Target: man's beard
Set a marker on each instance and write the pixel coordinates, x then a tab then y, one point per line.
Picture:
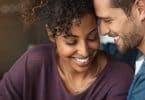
130	41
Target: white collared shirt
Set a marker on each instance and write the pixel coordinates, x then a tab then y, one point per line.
139	63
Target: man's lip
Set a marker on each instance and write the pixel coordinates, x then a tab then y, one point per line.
116	39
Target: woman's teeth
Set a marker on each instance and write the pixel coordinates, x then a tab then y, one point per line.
82	60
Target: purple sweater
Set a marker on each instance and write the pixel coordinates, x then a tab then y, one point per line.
35	77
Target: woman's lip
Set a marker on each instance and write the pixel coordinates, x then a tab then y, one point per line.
82	61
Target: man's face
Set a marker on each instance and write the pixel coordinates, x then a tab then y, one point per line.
116	23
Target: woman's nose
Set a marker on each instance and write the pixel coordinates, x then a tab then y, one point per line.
83	49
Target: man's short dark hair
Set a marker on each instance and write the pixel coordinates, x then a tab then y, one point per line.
126	5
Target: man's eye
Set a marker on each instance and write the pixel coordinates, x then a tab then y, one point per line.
107	20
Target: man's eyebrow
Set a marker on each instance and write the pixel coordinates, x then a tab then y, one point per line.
99	17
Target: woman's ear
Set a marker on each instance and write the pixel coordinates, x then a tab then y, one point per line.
141	9
49	33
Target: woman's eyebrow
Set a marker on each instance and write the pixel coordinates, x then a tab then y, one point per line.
92	30
70	36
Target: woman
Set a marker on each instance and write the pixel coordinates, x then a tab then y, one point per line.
72	67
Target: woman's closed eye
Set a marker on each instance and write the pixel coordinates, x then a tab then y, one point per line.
71	41
93	36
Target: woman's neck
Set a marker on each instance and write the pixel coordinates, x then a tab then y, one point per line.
75	83
68	72
80	81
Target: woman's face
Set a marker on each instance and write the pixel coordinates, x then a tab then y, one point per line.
79	49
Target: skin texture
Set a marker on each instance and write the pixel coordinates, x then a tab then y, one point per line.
127	30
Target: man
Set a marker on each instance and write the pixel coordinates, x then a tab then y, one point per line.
108	45
124	20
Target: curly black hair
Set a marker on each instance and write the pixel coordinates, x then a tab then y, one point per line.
58	14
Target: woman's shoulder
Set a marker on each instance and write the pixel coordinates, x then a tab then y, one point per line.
119	69
40	53
117	64
114	64
36	58
42	49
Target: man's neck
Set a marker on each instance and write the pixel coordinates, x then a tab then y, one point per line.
141	47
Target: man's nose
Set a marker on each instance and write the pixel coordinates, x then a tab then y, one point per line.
103	28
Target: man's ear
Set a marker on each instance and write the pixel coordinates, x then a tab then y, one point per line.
140	4
50	34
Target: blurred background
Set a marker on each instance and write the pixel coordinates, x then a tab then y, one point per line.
15	37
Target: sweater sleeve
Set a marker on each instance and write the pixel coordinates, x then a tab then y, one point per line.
22	80
11	86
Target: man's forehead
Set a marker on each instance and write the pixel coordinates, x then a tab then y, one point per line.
110	13
103	8
102	3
